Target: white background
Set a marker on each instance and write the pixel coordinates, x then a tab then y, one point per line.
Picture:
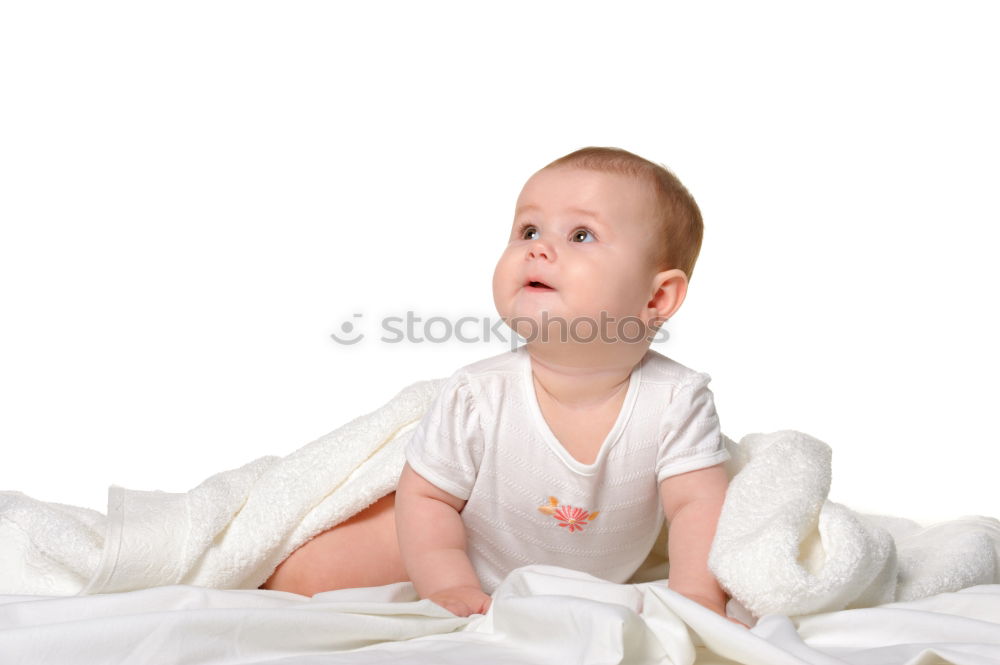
196	195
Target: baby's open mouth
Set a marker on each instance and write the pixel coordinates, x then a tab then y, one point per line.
539	285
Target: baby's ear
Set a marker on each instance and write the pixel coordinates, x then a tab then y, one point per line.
669	290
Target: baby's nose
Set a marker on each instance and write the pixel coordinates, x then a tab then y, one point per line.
540	251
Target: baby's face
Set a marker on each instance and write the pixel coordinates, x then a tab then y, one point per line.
588	237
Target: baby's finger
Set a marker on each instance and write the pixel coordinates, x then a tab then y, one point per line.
461	609
456	607
738	621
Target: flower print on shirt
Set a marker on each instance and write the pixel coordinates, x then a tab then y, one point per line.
569	517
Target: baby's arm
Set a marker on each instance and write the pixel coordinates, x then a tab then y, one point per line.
432	544
692	502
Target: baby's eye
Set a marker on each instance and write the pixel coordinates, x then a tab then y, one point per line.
526	229
581	234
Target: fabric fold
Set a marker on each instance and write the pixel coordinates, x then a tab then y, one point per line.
781	546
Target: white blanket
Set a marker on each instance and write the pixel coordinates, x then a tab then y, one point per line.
781	546
541	615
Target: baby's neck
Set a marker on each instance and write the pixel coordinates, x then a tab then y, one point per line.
579	385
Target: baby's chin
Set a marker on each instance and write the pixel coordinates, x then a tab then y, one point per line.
583	319
586	333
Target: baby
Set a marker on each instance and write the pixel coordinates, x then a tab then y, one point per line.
571	449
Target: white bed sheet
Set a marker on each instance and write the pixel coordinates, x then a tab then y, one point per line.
540	614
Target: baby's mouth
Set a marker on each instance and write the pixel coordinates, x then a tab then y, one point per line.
538	286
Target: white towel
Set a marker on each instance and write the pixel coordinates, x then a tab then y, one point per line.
229	532
781	546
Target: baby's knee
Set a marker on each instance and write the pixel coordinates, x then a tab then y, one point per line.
288	576
359	552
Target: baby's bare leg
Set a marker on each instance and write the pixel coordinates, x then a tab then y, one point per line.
359	552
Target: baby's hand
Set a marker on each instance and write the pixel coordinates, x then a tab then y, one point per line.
462	600
715	607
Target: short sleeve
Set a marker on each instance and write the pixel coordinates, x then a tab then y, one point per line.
691	438
447	445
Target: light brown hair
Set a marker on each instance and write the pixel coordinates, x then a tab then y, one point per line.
677	214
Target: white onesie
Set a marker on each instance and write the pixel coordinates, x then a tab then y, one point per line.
484	439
